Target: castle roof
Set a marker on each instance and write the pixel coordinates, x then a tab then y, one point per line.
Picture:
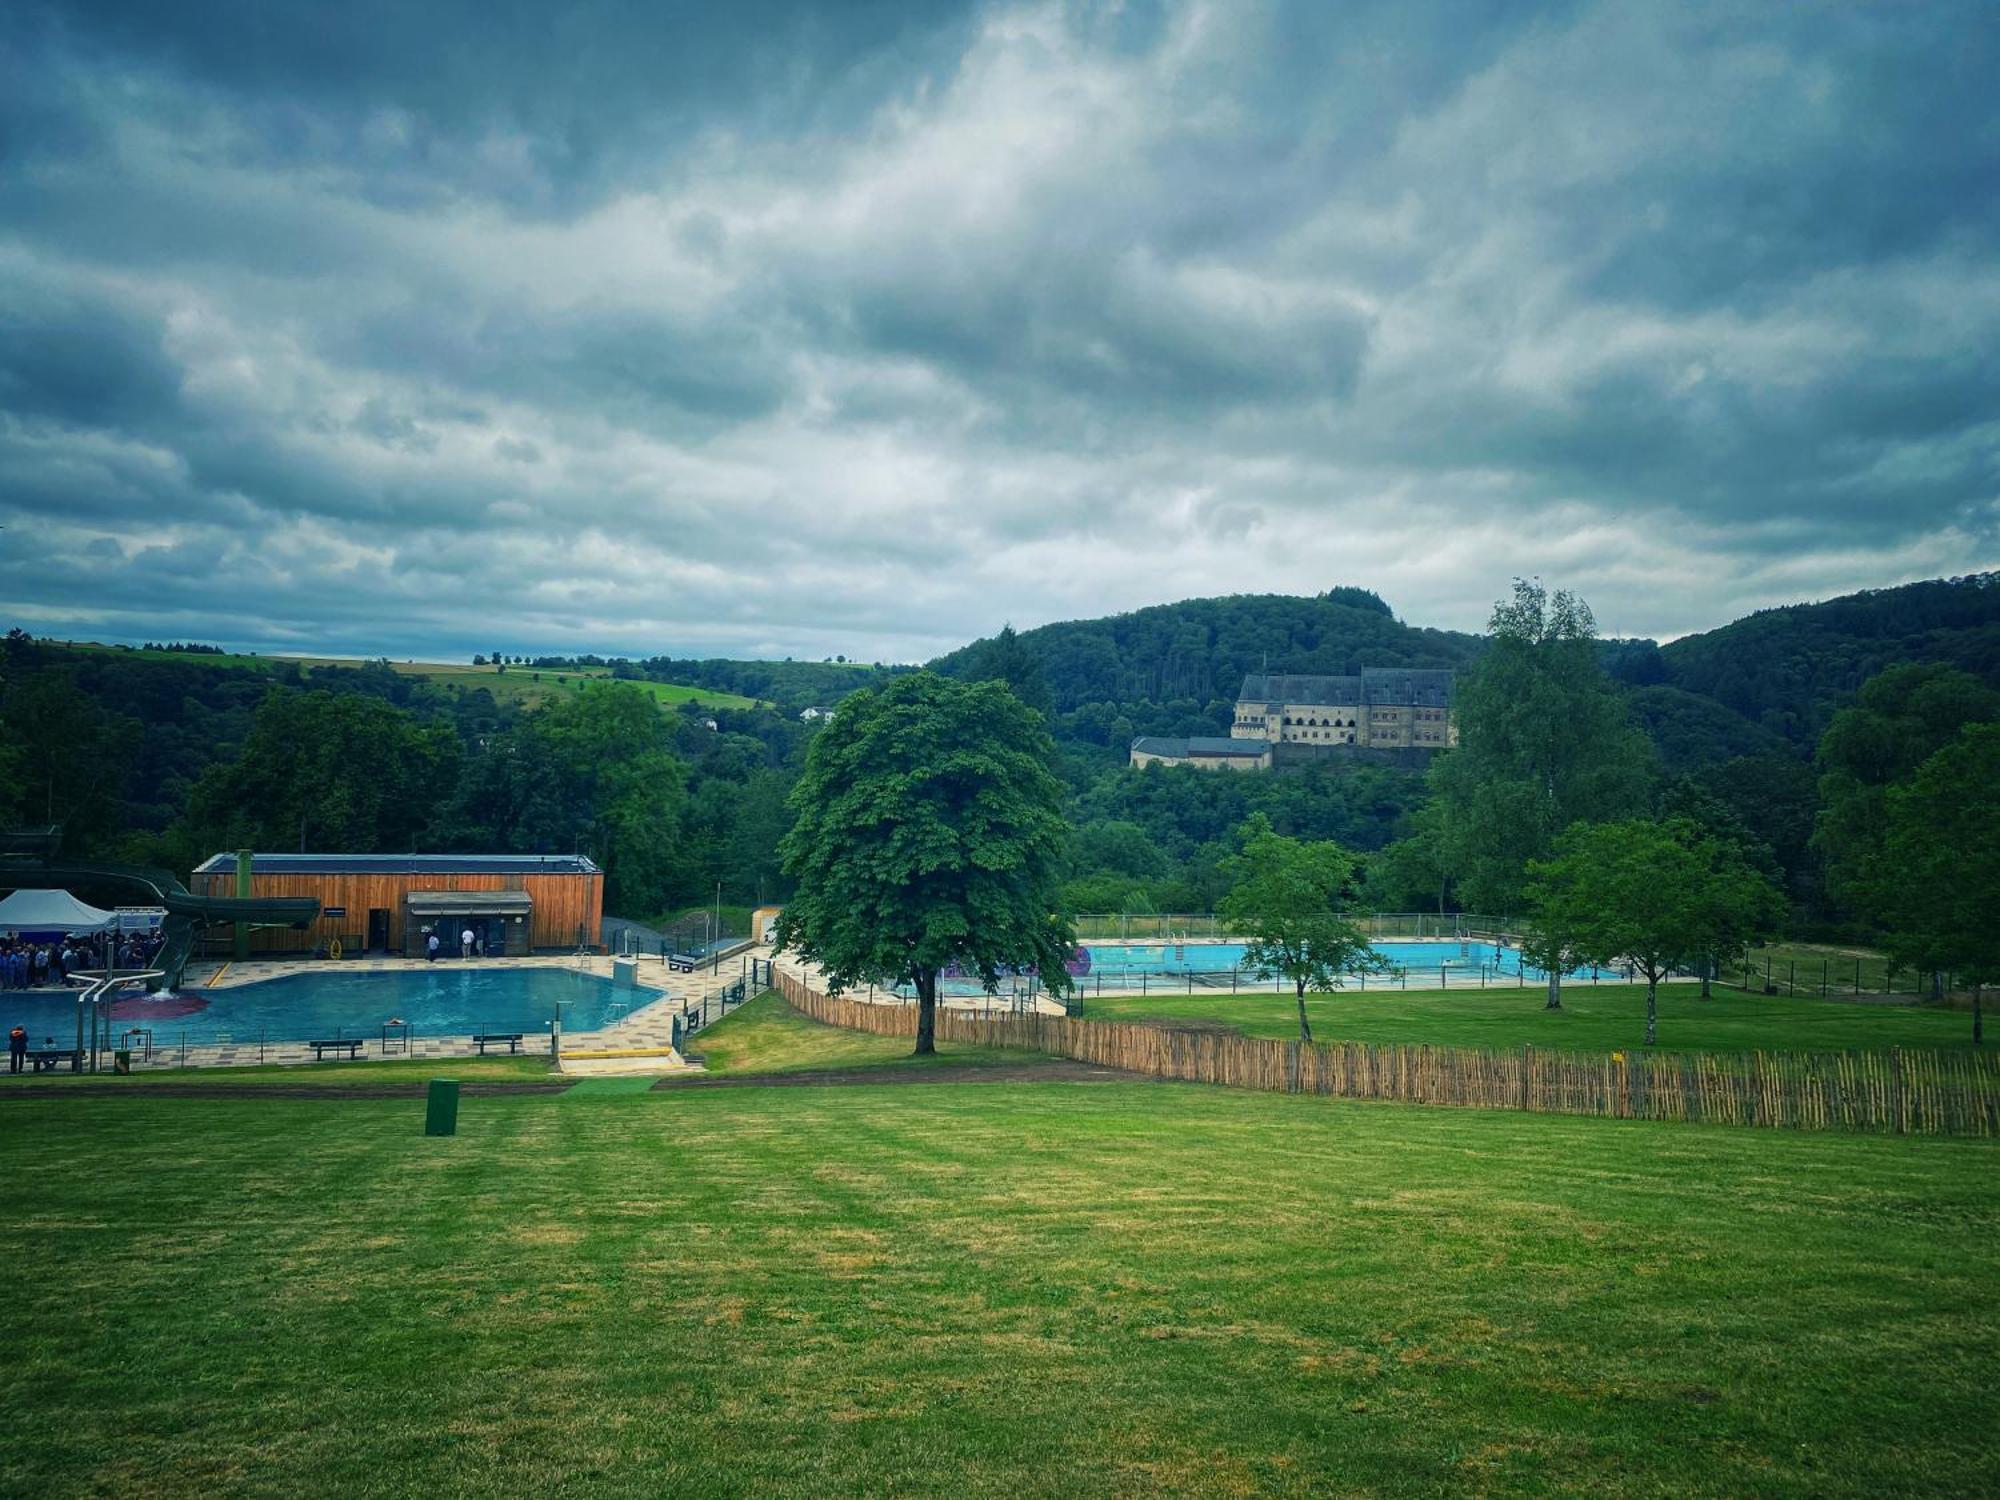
1419	687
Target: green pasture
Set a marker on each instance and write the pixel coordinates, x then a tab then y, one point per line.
1003	1289
523	685
1593	1018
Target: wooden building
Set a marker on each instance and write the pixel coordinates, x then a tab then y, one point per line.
389	903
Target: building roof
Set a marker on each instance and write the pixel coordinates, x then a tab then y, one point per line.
1177	747
1421	687
405	864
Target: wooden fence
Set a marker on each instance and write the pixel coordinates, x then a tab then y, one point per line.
1908	1093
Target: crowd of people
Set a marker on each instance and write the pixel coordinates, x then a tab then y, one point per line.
26	965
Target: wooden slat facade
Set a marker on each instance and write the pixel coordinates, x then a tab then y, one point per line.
568	907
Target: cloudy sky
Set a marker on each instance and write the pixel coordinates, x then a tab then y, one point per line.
778	328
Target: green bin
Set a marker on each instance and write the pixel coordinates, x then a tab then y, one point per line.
441	1107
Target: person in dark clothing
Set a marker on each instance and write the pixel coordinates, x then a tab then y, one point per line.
17	1049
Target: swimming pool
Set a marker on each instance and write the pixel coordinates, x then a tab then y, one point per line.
1418	958
307	1007
1451	963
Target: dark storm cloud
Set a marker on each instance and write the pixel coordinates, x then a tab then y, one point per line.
797	327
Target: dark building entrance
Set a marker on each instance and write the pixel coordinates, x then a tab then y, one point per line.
378	929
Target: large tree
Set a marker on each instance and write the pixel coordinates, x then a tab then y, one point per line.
1659	895
1942	848
1292	901
1544	741
929	835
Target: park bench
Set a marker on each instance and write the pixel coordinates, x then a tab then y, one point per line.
351	1045
45	1059
511	1038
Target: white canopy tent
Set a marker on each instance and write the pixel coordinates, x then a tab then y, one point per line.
50	911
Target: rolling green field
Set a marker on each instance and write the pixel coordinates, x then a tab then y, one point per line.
969	1290
522	685
1594	1018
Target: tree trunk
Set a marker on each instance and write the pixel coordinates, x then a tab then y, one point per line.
1305	1026
1978	1020
1555	987
1652	1009
926	1012
1707	970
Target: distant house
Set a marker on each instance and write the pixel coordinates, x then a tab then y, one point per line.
810	714
1209	752
1383	708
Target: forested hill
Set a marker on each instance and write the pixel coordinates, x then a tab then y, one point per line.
1787	670
1198	651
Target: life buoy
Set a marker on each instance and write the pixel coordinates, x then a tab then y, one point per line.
333	949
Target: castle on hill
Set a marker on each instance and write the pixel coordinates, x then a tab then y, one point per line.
1283	718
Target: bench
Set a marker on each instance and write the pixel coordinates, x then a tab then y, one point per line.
45	1059
511	1038
350	1045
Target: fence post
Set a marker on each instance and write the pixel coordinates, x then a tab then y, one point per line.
1527	1068
1822	979
1896	1089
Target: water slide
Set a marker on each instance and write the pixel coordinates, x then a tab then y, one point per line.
29	861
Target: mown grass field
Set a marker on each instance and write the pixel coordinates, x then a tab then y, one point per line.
974	1290
1593	1018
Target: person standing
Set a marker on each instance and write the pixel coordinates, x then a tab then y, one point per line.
465	943
431	947
17	1049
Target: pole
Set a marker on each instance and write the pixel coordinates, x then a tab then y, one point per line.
240	952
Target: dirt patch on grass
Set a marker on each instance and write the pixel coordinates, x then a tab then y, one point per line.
1200	1025
1055	1070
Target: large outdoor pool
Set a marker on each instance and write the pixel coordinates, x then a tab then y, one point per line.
1455	963
308	1007
1418	958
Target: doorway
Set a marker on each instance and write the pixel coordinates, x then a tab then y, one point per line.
378	929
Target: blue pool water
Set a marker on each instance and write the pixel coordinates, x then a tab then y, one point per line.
306	1007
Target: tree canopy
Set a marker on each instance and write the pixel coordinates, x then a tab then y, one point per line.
929	835
1544	741
1292	901
1942	841
1657	894
1902	717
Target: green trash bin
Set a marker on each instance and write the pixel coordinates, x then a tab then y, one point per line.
441	1107
121	1061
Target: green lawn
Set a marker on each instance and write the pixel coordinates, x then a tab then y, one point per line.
768	1036
1594	1018
998	1290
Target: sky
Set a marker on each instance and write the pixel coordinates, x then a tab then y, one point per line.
779	329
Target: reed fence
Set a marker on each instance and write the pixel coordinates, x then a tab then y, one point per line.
1901	1092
